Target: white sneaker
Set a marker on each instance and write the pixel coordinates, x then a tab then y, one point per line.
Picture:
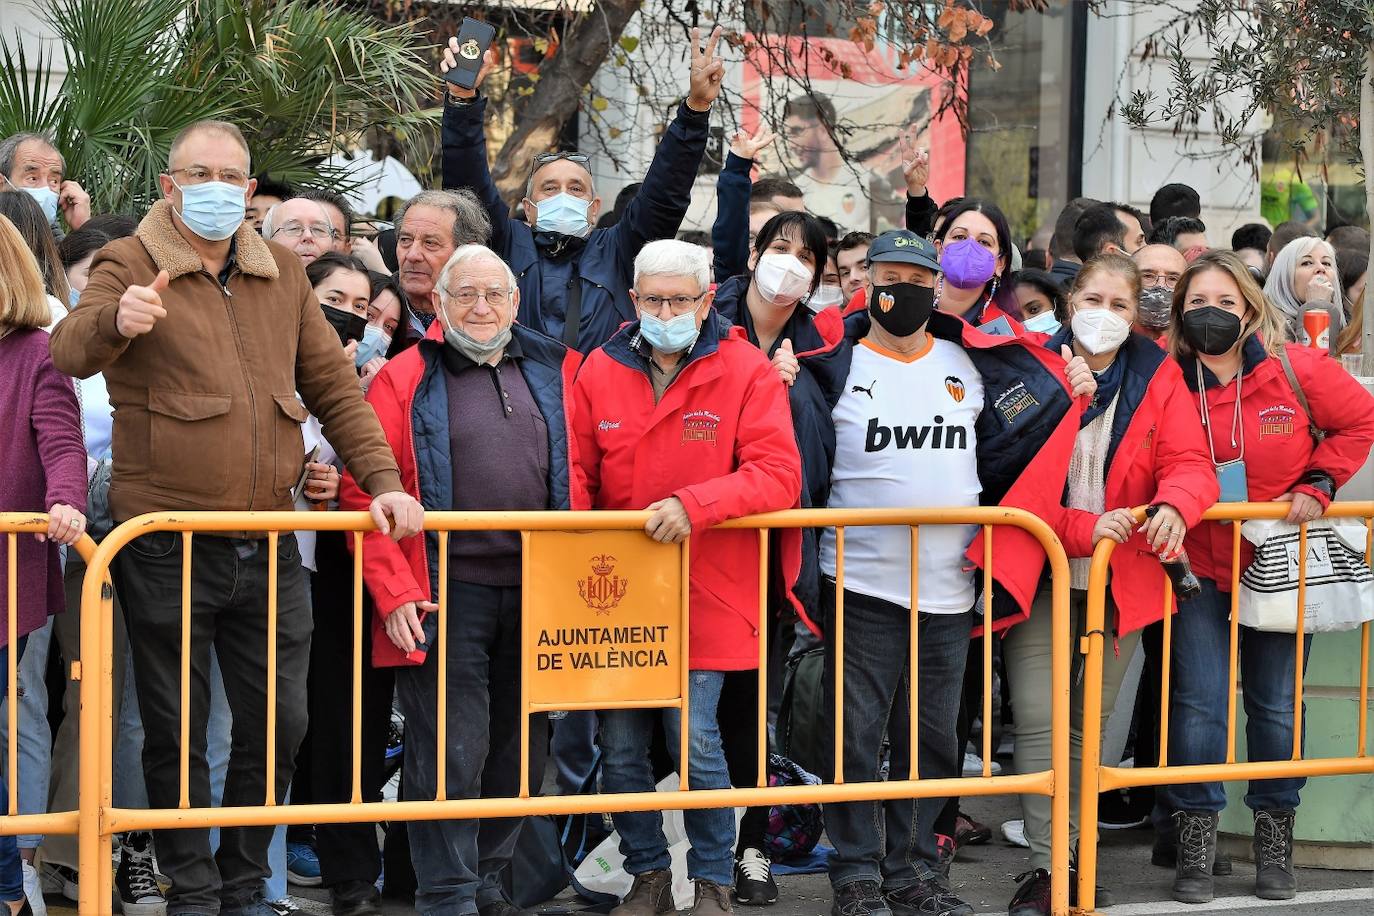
1014	832
59	879
973	765
33	890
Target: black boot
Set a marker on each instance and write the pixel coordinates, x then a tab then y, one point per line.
1197	850
1273	846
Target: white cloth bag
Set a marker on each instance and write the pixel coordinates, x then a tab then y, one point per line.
1339	588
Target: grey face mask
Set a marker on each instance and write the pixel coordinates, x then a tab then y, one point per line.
1155	302
479	351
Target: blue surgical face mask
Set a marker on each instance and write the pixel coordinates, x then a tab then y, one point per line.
212	210
72	296
375	343
45	197
1043	323
672	336
562	214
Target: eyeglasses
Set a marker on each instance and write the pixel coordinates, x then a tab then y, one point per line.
318	231
678	304
467	295
199	175
1155	278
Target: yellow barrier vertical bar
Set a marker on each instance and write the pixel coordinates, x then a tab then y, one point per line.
184	763
1233	664
12	673
1298	641
913	718
1362	730
93	739
104	652
1165	664
272	538
524	666
987	650
356	793
441	703
685	710
1093	645
839	655
763	660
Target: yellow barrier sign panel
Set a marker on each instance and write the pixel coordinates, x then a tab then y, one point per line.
603	618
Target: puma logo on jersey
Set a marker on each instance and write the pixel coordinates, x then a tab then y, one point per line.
938	436
868	391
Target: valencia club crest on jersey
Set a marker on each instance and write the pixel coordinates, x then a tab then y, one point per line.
955	387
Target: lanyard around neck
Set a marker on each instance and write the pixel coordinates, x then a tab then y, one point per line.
1237	429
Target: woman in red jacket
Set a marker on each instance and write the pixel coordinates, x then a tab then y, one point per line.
1138	442
1229	341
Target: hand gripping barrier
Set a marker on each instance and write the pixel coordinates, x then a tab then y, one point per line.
546	542
1098	778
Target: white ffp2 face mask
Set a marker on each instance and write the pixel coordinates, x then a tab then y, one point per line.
1099	330
782	279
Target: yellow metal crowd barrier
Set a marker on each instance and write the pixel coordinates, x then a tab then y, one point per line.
1098	778
15	525
544	535
550	540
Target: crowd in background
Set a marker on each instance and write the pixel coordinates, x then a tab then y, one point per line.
242	345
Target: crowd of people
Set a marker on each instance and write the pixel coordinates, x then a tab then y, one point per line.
240	346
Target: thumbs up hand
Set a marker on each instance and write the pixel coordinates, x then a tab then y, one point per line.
785	362
141	306
1080	377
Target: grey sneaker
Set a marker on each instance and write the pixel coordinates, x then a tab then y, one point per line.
650	895
859	898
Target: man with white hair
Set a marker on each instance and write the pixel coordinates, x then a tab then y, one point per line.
302	225
476	416
679	414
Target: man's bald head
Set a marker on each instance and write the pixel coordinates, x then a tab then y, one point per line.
1160	265
224	129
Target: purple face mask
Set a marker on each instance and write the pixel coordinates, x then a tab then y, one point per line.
966	264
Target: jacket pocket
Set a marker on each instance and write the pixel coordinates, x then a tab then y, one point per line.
288	445
184	431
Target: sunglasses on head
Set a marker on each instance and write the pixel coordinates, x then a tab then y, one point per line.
543	159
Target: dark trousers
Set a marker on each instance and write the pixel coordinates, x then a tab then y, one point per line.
892	842
324	774
458	863
228	612
739	736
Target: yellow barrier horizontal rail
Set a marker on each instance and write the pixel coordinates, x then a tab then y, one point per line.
1098	778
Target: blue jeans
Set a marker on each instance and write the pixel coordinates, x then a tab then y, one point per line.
892	842
1198	700
11	871
625	737
35	736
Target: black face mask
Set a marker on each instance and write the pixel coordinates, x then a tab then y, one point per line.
1211	330
901	309
349	325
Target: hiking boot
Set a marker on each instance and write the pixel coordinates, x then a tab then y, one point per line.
1273	845
927	897
1032	898
754	884
968	832
712	899
859	898
135	879
1197	849
1165	855
651	894
355	898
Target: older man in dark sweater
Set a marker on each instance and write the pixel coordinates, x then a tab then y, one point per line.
476	415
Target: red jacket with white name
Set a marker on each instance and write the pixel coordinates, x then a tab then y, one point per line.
721	441
1279	450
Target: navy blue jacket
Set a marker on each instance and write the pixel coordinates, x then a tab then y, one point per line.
603	264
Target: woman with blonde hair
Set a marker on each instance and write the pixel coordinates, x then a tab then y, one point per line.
44	458
1229	340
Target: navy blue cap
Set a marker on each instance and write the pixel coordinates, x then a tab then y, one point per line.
906	247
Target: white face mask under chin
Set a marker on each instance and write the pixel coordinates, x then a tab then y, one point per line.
1099	330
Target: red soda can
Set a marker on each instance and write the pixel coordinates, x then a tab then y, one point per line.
1316	325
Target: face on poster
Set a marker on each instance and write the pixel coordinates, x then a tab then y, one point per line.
847	114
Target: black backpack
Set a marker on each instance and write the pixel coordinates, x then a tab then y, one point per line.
805	732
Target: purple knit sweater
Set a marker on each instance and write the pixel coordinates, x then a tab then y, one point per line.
44	463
